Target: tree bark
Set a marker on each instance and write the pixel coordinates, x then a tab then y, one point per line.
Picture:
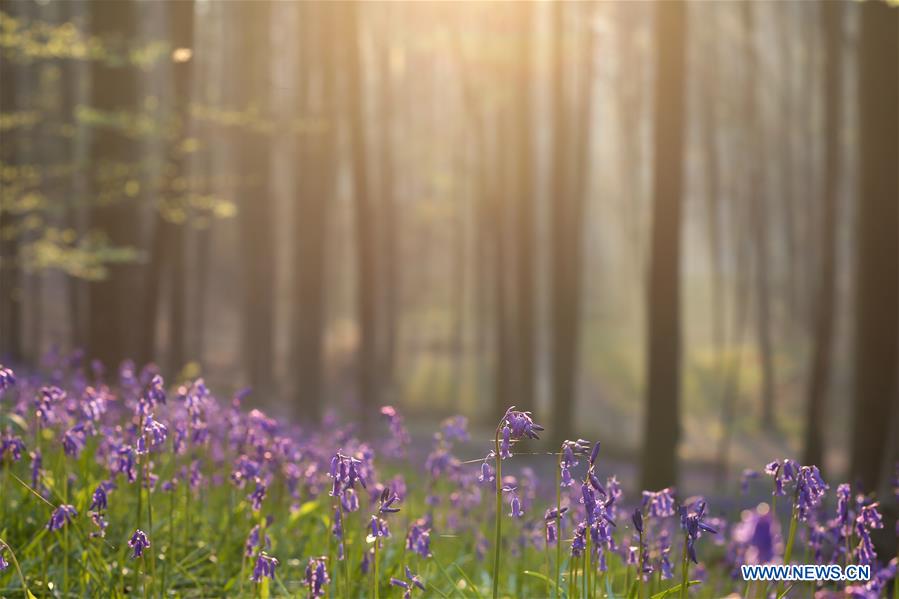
256	220
365	233
662	420
316	187
824	299
877	268
113	213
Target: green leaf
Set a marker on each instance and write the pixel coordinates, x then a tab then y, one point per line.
632	593
305	509
674	589
542	577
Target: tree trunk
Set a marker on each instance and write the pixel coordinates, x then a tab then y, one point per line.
662	421
877	268
316	186
819	372
113	213
10	272
256	220
365	233
525	235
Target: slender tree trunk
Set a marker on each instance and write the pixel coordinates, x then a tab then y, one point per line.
662	424
114	87
819	373
316	184
10	271
760	224
257	232
389	228
877	268
526	204
365	233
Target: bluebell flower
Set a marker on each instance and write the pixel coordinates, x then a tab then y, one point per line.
659	504
99	500
73	441
317	576
747	475
514	502
13	446
637	519
265	567
810	489
61	516
418	540
138	542
693	525
3	563
7	378
486	475
258	495
387	501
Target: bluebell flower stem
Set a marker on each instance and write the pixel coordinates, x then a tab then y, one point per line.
497	536
685	569
640	569
374	570
587	561
559	526
788	552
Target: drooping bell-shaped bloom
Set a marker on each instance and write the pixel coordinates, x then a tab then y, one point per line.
61	516
264	568
317	576
138	542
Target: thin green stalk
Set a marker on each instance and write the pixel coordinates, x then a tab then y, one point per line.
497	536
15	562
685	567
788	552
559	526
374	581
346	553
640	569
587	561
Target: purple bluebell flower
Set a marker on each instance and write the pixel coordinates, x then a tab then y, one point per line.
155	431
455	428
100	523
3	563
693	525
387	501
345	473
810	489
317	576
254	540
418	539
13	446
486	475
61	516
514	426
579	542
73	441
414	579
99	500
37	465
514	502
138	542
44	404
125	462
264	568
659	504
7	378
756	539
667	571
868	518
399	436
843	519
747	475
637	519
258	495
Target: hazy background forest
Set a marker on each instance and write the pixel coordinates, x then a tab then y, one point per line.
669	226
